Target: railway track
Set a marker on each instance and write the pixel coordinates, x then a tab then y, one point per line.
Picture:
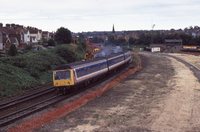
26	109
38	106
21	99
33	106
10	110
21	113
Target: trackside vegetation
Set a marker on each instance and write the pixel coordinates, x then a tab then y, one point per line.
34	68
22	72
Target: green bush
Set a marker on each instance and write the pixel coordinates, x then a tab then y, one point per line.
14	80
51	42
12	50
70	53
33	68
34	63
66	54
136	60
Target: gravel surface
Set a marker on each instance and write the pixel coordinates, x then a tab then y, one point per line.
195	60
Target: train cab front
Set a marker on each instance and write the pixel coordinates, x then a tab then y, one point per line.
63	78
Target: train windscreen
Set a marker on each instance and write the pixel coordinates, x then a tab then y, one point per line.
61	75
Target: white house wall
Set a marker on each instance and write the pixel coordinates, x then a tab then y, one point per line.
1	41
33	36
39	36
27	37
1	46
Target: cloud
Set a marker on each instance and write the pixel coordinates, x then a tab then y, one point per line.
100	14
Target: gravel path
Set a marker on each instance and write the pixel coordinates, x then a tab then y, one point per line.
164	96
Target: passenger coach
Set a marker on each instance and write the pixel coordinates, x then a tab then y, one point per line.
66	76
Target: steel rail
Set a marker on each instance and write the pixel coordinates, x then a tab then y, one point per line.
12	117
25	98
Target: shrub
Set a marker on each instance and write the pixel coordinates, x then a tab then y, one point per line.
33	68
12	50
28	47
136	60
66	54
51	42
13	80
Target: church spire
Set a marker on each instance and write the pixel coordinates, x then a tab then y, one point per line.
113	30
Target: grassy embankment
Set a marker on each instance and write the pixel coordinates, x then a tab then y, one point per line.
32	69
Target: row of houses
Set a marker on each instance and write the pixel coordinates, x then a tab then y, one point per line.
21	36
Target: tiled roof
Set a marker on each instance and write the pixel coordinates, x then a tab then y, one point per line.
33	31
45	32
7	30
13	40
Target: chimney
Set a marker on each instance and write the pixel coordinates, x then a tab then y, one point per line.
20	26
12	25
8	25
1	25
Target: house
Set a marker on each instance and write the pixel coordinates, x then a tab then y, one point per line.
1	37
26	35
1	40
46	35
35	35
39	35
9	41
8	36
20	36
23	36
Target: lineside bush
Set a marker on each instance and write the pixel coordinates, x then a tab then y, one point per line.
14	79
24	71
136	60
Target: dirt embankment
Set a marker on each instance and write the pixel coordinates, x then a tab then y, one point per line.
164	96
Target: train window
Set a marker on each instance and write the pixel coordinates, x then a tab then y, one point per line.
115	60
90	69
82	71
61	75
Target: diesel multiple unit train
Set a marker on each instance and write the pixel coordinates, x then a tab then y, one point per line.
70	75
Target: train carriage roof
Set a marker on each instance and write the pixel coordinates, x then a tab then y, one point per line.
76	64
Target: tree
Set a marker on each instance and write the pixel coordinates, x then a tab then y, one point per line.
66	54
63	35
51	42
82	42
111	39
131	40
97	40
12	50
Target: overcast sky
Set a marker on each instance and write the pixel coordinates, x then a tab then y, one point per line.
100	15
